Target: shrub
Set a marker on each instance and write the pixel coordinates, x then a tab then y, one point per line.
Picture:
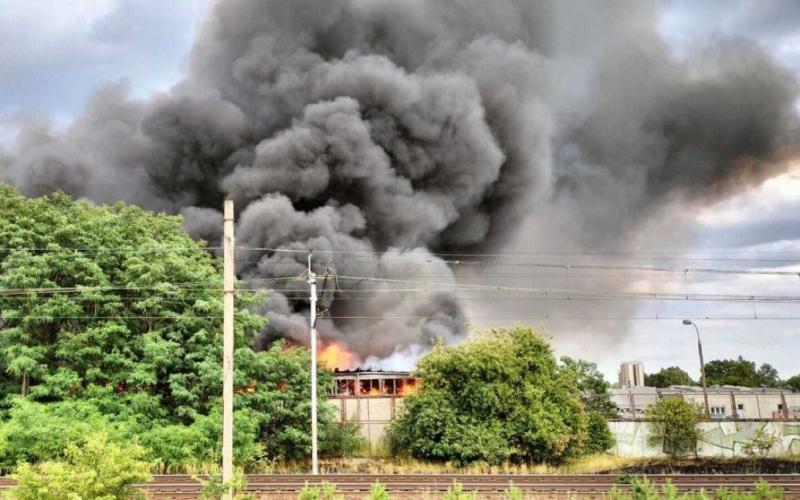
673	424
761	444
96	470
499	398
600	437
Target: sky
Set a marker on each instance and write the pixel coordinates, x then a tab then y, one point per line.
53	55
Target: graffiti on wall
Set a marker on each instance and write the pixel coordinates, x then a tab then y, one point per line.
718	439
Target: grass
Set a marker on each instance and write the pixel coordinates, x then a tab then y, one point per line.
592	464
587	465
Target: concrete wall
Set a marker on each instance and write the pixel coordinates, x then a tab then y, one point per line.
718	439
373	414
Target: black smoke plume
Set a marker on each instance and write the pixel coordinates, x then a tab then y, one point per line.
406	128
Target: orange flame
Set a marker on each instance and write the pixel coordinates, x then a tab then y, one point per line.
336	355
410	387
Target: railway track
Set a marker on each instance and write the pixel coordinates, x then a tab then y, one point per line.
280	486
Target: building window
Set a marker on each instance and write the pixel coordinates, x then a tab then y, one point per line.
740	406
780	407
717	411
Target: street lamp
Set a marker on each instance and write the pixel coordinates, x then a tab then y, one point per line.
702	366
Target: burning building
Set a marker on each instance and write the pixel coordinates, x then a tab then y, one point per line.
370	398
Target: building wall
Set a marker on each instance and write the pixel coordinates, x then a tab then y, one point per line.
756	404
631	374
373	414
718	439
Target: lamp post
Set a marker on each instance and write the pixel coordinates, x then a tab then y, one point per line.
702	366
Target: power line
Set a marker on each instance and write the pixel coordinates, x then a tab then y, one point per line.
515	255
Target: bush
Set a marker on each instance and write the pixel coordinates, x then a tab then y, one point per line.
673	424
600	437
98	470
761	444
499	398
341	440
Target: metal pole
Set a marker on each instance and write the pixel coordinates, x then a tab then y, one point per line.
227	348
702	367
312	280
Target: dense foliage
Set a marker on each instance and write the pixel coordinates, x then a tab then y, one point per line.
793	383
97	470
596	398
500	397
111	320
672	375
741	372
673	425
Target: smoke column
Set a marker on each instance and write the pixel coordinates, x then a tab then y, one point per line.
416	127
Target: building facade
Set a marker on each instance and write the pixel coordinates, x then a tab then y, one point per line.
724	402
371	399
631	374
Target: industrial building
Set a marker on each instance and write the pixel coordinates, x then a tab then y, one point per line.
724	402
371	399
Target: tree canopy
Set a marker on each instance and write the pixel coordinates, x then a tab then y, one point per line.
671	375
113	315
673	425
741	372
496	398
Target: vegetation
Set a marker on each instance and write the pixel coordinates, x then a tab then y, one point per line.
97	335
671	375
793	383
673	425
596	398
761	444
741	372
642	489
96	470
500	397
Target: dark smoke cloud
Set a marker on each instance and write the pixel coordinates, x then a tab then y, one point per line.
406	128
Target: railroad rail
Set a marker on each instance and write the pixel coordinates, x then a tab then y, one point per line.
487	486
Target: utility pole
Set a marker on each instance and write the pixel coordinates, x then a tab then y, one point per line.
312	280
227	349
702	367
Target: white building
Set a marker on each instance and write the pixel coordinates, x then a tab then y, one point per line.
631	374
724	402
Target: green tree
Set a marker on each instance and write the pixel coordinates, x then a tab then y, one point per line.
596	399
118	308
98	470
592	385
499	397
671	375
741	372
600	437
793	383
673	425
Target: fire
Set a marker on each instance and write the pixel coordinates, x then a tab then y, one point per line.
336	355
411	386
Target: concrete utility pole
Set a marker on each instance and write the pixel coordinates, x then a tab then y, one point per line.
702	367
227	348
312	280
